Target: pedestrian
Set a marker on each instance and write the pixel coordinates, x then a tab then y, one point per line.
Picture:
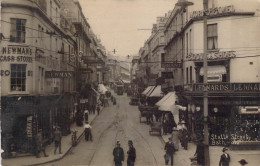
98	109
114	102
40	145
175	138
200	152
184	135
243	162
57	139
131	154
169	148
164	125
118	154
86	113
224	158
88	134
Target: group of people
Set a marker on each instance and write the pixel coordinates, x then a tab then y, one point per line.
119	156
41	144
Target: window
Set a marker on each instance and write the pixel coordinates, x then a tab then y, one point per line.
187	75
212	37
187	44
191	75
17	30
18	77
162	57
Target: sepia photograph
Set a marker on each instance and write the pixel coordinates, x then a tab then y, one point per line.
130	82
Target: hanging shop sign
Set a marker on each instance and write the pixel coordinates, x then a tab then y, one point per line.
167	75
58	74
16	54
29	126
171	65
236	87
217	11
212	56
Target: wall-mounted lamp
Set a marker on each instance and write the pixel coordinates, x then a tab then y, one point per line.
215	109
198	109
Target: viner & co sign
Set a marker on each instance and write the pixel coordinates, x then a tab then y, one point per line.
212	56
217	11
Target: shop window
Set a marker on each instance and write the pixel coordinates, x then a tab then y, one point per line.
212	38
162	57
17	30
18	77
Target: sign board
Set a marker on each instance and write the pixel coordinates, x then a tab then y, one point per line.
217	11
82	101
14	53
167	75
58	74
235	87
29	127
212	56
171	65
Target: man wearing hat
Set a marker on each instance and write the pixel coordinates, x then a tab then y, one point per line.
131	154
118	154
184	135
169	148
40	146
224	158
243	162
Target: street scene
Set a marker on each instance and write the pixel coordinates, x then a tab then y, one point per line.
130	83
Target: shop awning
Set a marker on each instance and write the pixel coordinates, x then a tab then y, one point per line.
147	90
157	92
167	103
214	70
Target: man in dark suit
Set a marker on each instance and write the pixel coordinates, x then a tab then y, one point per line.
118	154
131	154
169	148
224	158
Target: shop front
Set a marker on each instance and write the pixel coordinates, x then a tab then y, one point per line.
234	113
18	125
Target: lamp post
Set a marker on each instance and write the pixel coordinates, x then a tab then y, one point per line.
185	3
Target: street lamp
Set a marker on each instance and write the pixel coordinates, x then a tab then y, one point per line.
185	3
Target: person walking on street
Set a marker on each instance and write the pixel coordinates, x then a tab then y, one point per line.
131	154
88	134
175	138
243	162
98	109
118	154
57	139
86	113
40	145
224	158
184	135
200	152
169	148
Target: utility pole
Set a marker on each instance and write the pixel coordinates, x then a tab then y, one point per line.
205	82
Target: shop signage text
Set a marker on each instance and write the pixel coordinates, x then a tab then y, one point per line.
171	65
236	87
8	72
58	74
217	11
212	56
16	54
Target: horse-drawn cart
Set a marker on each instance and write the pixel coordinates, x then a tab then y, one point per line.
155	127
147	112
134	101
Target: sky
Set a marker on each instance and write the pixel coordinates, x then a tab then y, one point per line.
116	22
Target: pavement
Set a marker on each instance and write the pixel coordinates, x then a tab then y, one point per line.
182	157
66	146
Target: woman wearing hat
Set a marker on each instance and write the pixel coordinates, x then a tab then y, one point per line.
224	158
242	162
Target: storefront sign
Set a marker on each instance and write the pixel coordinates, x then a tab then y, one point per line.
82	101
217	11
5	72
16	54
212	56
58	74
171	65
236	87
